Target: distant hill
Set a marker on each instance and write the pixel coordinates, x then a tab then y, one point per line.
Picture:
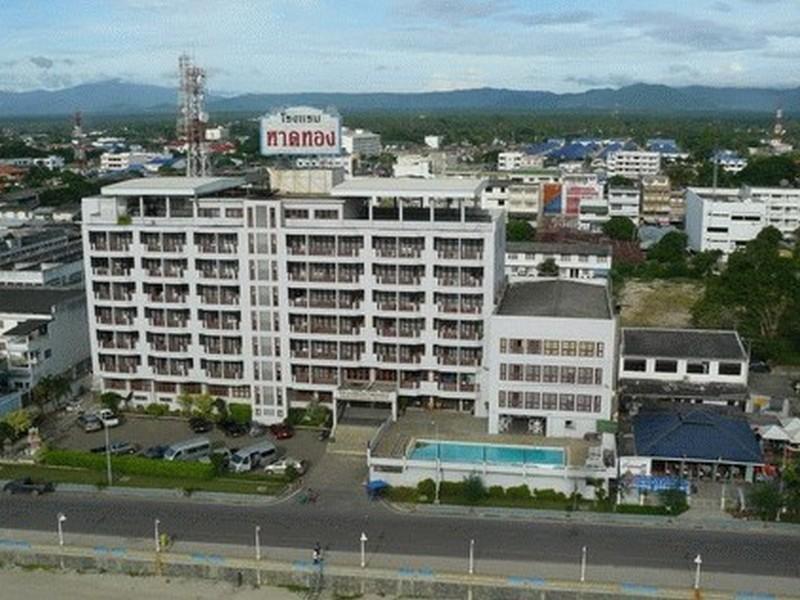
117	97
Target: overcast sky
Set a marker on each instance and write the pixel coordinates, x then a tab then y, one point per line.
401	45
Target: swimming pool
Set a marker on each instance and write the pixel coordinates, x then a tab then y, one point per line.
490	453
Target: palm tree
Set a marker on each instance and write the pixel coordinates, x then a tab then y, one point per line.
51	388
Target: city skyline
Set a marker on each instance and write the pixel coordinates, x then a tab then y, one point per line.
316	45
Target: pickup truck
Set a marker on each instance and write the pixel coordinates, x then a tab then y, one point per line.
108	418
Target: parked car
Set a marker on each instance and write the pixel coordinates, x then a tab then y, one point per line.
117	448
74	406
282	431
252	457
28	486
108	418
279	467
223	452
90	423
759	366
155	452
232	429
257	429
200	425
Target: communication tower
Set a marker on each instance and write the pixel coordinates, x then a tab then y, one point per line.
192	117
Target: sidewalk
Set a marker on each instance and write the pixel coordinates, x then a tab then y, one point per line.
720	523
618	580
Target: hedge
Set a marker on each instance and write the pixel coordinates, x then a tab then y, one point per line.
129	465
240	413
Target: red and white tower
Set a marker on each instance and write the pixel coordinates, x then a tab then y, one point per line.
192	117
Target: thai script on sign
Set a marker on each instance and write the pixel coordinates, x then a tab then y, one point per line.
301	138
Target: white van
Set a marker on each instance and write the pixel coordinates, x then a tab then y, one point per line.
254	456
193	449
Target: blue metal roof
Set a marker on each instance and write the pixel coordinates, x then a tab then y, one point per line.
663	145
700	433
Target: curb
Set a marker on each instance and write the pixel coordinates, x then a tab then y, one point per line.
607	519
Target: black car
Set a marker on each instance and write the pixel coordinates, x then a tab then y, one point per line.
200	425
232	428
155	452
28	486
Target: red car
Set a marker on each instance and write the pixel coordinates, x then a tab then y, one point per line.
281	431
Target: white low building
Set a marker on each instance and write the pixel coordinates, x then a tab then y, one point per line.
361	142
550	360
633	163
574	261
514	197
624	202
413	165
516	161
122	161
683	365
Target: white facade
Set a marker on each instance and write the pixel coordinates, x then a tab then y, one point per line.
51	162
361	142
122	161
413	165
551	369
271	300
516	161
512	197
574	261
633	163
40	257
323	161
305	181
721	219
42	332
783	207
624	202
217	134
433	142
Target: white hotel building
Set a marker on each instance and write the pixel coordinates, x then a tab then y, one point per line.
205	284
727	218
633	163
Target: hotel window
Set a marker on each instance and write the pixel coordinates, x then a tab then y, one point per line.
501	399
566	402
598	404
586	349
533	373
567	374
634	364
514	399
585	375
515	346
503	345
550	374
697	368
666	366
532	400
515	372
551	347
600	348
569	348
503	372
534	346
598	376
549	401
727	368
584	403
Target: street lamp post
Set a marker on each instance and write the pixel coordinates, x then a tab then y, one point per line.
108	454
258	555
60	521
157	538
697	561
472	557
363	549
583	564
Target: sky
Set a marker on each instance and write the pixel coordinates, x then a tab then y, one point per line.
273	46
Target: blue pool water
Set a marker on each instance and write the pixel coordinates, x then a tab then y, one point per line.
479	453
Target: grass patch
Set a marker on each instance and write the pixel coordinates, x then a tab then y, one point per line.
659	303
231	483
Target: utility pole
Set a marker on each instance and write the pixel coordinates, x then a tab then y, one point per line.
60	520
157	537
583	564
472	557
697	561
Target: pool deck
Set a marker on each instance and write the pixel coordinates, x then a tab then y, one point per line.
418	424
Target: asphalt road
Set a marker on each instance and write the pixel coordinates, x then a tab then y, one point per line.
334	523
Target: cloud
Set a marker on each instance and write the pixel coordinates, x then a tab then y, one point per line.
694	33
42	62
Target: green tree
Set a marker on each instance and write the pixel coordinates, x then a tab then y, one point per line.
111	401
204	405
548	268
19	421
620	228
519	230
704	263
770	171
50	388
669	249
674	501
618	181
186	402
765	501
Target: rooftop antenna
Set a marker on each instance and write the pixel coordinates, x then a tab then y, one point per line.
192	117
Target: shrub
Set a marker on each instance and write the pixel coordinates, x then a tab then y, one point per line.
218	462
427	488
635	509
674	501
549	495
519	492
496	492
124	220
451	489
156	410
402	494
19	421
111	401
129	465
474	489
240	413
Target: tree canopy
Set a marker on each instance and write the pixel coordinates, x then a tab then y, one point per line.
519	230
620	228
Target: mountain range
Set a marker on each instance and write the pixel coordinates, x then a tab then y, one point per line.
121	98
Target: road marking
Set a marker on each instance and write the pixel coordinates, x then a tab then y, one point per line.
15	544
409	572
637	589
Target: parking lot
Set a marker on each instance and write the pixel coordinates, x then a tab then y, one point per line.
149	431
